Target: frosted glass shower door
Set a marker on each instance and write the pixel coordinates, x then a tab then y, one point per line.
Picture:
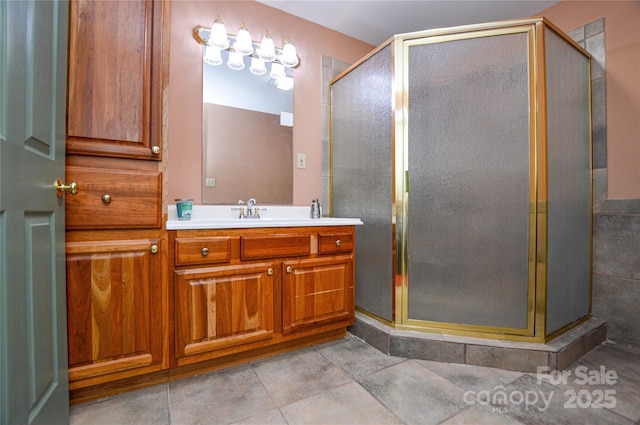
468	143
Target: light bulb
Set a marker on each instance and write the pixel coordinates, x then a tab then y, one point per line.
267	50
285	83
243	44
257	66
236	61
212	56
289	57
277	71
218	37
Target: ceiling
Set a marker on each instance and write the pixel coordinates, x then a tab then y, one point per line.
374	21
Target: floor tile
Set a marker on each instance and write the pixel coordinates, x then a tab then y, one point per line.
415	394
348	404
478	415
535	402
472	378
356	357
146	406
298	375
349	382
221	397
270	417
609	376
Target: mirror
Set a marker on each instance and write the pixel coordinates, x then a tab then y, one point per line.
247	136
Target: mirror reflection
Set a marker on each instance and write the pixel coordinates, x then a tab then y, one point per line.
247	136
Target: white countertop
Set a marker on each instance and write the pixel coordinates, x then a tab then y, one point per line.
223	217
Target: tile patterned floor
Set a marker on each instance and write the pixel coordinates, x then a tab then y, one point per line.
349	382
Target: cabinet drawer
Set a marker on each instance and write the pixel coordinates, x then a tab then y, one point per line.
202	250
274	246
332	243
111	199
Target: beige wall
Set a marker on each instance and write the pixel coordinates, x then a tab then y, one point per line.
185	87
622	37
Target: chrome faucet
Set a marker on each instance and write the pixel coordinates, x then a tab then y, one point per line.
250	204
251	212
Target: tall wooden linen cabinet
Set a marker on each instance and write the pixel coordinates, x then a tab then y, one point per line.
116	247
466	151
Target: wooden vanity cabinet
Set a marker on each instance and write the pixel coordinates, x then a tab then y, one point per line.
117	54
223	307
115	242
317	291
238	291
115	308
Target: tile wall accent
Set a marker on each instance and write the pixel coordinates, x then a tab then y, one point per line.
616	222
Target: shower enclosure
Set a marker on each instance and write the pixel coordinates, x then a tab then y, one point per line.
467	153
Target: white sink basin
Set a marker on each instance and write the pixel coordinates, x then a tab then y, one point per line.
223	217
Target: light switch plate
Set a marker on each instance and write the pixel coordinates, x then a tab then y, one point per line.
210	182
302	160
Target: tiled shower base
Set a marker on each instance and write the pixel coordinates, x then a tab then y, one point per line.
557	354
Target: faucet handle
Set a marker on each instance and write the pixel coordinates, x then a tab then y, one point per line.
251	201
241	209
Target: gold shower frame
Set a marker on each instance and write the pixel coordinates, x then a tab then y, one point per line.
538	196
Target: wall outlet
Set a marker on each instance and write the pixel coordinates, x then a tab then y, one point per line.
210	182
302	160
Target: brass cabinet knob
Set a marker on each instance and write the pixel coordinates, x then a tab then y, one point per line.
106	198
155	150
270	271
154	249
338	242
61	188
289	269
205	252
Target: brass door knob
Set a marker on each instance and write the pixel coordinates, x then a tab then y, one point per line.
155	150
61	188
154	249
205	252
106	198
289	269
270	271
338	242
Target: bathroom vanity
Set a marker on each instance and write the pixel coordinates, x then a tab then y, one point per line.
245	287
236	290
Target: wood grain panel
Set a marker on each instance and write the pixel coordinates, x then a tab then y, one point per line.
223	306
317	291
113	313
274	246
105	50
115	69
335	243
135	199
189	251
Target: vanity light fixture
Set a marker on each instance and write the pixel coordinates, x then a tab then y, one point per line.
212	56
277	71
267	50
243	44
216	39
257	66
235	62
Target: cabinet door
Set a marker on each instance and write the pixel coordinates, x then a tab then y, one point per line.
220	307
317	292
114	297
115	78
